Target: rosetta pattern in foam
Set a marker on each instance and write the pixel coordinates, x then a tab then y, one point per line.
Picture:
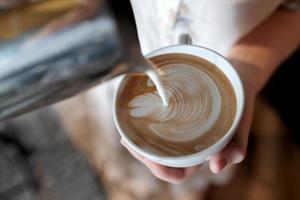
194	104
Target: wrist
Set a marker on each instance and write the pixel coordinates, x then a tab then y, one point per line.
248	74
254	64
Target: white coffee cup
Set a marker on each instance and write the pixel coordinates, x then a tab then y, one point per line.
218	60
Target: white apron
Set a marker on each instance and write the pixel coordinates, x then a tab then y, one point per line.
216	24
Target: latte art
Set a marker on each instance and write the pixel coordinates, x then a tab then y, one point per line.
201	106
194	104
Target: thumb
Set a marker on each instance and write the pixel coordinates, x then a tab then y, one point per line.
232	154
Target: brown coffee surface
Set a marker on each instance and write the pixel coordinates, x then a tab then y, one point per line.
202	106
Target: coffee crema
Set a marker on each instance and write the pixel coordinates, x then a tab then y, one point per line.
202	106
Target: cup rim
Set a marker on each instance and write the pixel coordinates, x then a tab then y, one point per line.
226	137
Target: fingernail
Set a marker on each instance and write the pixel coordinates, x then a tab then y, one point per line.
223	163
217	167
237	157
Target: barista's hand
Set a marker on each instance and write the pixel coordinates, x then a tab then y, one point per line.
236	150
233	153
169	174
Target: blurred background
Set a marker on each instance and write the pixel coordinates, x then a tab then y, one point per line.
69	151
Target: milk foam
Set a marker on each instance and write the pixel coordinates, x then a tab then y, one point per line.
194	104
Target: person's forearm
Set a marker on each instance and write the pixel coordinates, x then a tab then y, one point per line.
267	46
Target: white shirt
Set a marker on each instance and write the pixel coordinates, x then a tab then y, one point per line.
216	24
